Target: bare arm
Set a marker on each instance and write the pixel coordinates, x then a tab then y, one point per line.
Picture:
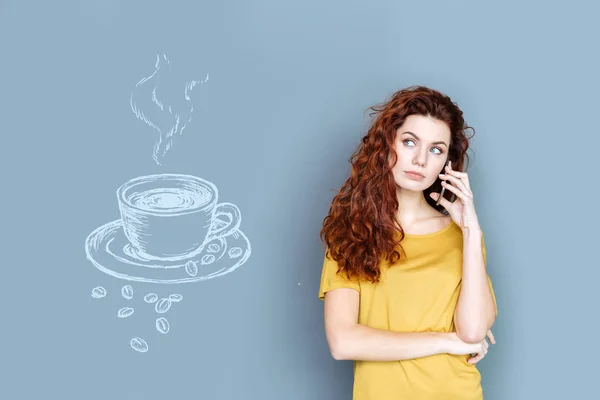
349	340
475	311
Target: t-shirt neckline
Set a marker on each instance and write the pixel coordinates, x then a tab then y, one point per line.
426	235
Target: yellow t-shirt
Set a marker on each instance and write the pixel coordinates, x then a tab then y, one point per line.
419	293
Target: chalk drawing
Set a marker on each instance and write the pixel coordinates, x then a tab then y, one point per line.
175	297
98	292
127	292
150	91
139	344
162	325
171	229
125	312
151	298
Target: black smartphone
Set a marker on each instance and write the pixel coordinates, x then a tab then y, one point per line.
437	203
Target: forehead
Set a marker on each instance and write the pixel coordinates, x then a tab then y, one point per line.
426	128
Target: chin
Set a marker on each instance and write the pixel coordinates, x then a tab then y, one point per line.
412	186
415	186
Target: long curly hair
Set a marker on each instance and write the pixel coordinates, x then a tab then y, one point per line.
361	227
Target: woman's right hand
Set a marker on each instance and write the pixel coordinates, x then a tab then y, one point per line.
477	350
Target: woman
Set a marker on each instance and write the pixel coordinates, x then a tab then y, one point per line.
404	283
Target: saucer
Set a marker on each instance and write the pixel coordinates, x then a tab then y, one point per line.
109	250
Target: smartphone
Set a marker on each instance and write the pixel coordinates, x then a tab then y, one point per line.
437	203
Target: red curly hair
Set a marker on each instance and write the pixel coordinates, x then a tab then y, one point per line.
361	227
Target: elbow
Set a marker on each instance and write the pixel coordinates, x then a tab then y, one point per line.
337	355
471	335
337	349
339	344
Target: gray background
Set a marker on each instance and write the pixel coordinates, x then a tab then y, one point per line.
273	129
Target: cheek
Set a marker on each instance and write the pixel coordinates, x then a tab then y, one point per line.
401	156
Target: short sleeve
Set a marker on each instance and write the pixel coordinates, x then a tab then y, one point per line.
489	279
330	279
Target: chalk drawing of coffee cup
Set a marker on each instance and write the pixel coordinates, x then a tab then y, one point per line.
172	230
172	216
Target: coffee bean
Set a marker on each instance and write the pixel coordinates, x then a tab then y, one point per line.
127	291
235	252
207	259
150	298
191	268
162	325
213	247
162	306
175	297
124	312
139	344
98	292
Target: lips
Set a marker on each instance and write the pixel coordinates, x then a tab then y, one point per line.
414	175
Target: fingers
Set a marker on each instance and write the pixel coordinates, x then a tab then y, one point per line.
481	354
476	359
460	179
461	175
461	194
484	348
490	335
436	196
457	182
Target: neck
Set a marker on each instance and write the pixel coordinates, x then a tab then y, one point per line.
412	206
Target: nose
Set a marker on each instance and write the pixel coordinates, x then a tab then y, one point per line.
419	159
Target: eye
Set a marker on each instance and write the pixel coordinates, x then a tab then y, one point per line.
410	140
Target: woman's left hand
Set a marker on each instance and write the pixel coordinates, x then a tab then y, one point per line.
462	210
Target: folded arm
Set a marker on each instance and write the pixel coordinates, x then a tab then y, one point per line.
349	340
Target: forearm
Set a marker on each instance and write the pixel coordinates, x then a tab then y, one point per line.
475	310
365	343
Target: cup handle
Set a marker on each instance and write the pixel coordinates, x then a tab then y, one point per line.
226	227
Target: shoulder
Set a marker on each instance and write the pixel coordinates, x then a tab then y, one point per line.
332	278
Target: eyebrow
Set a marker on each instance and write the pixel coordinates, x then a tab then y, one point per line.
439	142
